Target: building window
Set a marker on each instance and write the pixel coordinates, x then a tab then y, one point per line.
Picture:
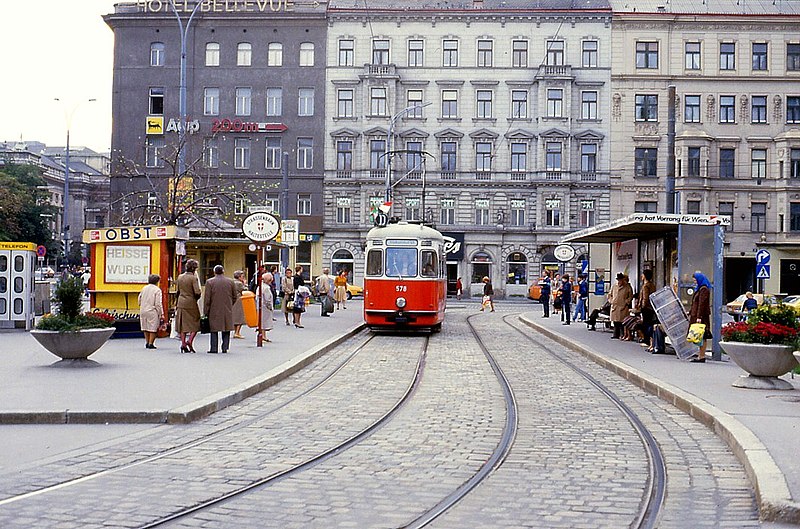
483	156
693	158
243	101
646	107
794	216
344	155
793	57
692	56
344	104
555	53
241	153
726	208
346	52
156	101
274	101
414	101
727	109
449	103
758	163
273	153
693	207
377	101
519	54
275	54
643	206
552	212
447	209
758	216
303	205
588	159
414	156
449	155
306	54
647	55
589	54
211	102
760	56
305	102
415	53
587	213
646	162
305	153
272	202
727	163
519	157
481	267
794	163
553	156
519	104
157	54
555	102
517	211
377	155
154	155
380	52
212	54
210	153
412	208
244	54
450	53
691	109
343	210
727	56
240	206
482	212
589	105
793	109
758	109
484	53
484	104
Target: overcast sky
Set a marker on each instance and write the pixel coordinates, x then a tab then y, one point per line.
56	49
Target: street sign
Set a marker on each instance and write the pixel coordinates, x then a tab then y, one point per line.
260	227
41	251
762	271
564	252
762	257
585	267
290	232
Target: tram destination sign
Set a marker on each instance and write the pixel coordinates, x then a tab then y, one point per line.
261	227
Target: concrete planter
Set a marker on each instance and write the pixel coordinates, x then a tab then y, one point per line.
764	363
76	345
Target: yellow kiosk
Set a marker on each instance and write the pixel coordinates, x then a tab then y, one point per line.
122	258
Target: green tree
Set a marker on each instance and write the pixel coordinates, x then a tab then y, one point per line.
24	208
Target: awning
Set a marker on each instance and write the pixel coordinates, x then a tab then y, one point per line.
642	226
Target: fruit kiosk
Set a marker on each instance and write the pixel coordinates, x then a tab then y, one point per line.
121	259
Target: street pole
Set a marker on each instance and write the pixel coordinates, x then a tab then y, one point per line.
284	207
184	34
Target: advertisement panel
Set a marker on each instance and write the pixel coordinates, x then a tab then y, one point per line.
127	264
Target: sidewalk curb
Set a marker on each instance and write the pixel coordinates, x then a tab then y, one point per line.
214	403
774	500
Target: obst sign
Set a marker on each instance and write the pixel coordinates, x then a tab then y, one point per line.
261	227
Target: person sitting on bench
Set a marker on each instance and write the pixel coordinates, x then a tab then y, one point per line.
592	321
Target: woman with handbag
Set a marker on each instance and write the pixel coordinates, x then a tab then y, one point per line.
700	312
187	312
287	287
151	310
267	305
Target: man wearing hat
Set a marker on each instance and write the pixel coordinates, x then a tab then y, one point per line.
620	297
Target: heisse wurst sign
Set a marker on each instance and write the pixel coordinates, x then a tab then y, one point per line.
127	264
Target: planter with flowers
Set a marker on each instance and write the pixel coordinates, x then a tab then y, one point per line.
70	334
763	346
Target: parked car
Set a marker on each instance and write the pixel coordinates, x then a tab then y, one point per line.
792	301
354	290
46	272
734	308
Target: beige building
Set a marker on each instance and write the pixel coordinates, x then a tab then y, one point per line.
735	67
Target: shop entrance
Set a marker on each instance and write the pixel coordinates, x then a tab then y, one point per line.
790	276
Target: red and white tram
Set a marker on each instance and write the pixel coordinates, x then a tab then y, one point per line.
404	281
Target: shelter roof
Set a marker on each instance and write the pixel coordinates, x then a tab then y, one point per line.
642	226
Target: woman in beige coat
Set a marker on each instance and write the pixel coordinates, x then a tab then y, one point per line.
238	308
287	287
187	312
620	297
151	310
267	305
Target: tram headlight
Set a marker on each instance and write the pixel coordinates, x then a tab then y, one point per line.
400	302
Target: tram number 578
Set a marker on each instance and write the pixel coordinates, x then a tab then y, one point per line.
400	288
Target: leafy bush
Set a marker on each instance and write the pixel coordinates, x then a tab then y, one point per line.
69	298
775	324
69	301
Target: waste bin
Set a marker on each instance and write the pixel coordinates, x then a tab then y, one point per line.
250	309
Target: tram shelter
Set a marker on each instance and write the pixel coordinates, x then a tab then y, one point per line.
673	246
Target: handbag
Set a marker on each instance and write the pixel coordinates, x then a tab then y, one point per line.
696	333
205	325
290	305
163	330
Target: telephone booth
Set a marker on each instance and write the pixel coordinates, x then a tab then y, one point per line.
17	266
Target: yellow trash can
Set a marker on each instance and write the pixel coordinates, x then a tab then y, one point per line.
250	309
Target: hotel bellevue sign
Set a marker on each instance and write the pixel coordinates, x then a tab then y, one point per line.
220	6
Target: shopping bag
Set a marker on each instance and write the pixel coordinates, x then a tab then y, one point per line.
696	333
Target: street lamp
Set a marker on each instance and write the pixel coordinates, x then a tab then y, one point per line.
65	215
184	34
388	154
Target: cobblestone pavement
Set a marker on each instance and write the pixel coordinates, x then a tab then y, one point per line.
576	461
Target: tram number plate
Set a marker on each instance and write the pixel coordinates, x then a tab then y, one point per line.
400	288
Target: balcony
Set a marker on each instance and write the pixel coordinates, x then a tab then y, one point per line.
344	174
519	176
484	176
379	71
553	175
560	71
588	176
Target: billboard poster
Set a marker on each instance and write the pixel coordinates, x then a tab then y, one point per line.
625	259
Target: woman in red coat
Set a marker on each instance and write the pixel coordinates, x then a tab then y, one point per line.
700	311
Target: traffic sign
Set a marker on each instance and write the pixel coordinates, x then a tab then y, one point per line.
564	252
41	251
260	227
762	257
762	271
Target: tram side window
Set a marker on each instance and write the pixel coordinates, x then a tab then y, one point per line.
374	263
401	262
429	264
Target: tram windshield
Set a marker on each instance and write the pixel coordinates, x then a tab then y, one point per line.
401	262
